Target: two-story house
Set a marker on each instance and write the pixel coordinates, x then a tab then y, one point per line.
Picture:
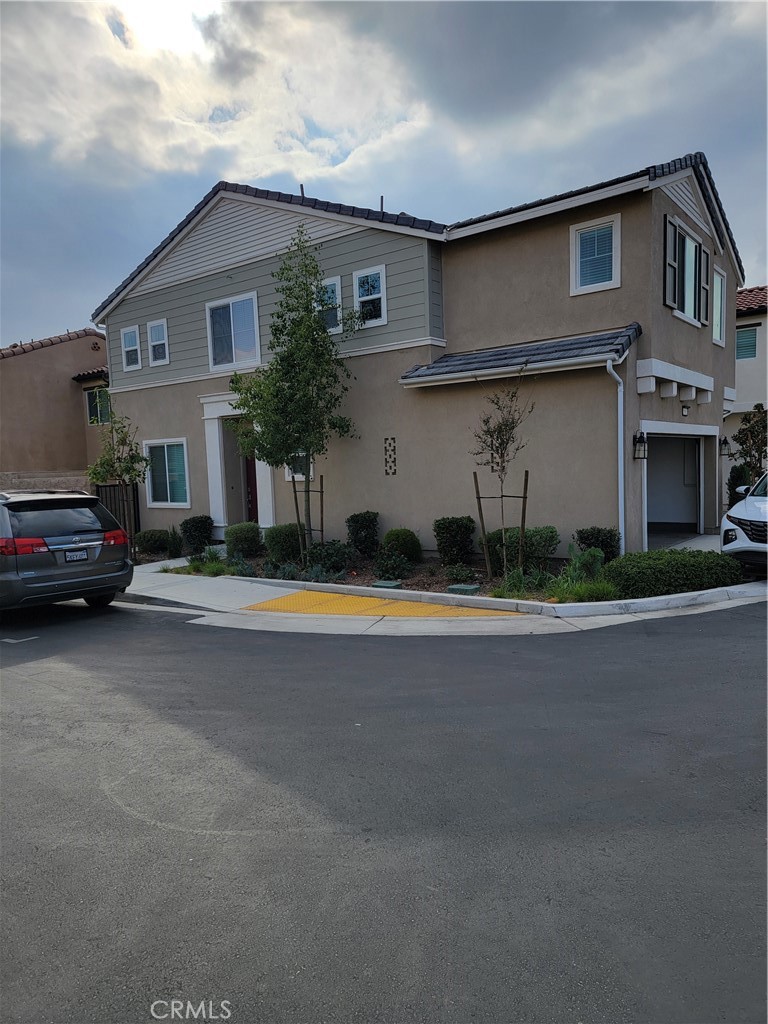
616	302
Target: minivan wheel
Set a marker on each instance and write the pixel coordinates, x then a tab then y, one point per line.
100	600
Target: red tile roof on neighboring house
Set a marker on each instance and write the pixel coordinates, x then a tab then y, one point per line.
750	301
97	373
58	339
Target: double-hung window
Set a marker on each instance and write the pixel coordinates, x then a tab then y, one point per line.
718	307
330	302
596	255
168	473
233	332
687	273
131	348
99	409
746	343
370	295
157	340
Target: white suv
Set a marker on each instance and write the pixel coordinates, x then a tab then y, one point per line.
744	529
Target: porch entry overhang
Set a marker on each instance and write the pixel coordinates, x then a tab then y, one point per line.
217	409
556	354
673	381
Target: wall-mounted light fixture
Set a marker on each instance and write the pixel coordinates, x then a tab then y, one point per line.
725	448
686	409
640	445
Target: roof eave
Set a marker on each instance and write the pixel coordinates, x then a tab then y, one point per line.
592	361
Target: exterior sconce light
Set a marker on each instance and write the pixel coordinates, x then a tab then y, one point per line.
640	445
725	448
686	410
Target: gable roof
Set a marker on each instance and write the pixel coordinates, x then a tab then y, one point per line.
584	350
750	301
57	339
697	162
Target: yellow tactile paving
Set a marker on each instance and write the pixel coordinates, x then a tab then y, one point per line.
315	602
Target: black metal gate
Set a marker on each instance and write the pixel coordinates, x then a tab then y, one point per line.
109	496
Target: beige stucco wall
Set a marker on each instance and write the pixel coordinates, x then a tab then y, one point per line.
752	374
42	410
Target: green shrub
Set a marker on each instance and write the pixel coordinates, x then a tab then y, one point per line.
738	477
648	573
197	531
216	569
244	539
513	586
363	532
282	543
317	574
454	539
594	590
606	538
391	564
588	563
334	556
284	571
405	541
152	542
175	543
540	545
460	574
239	567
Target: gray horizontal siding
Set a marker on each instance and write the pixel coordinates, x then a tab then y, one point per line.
183	304
436	327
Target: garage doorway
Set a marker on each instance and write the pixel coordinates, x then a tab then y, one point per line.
674	489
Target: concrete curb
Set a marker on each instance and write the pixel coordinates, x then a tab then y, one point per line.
560	611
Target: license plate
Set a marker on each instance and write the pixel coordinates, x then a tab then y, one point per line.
75	556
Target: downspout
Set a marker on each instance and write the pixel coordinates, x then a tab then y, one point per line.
619	447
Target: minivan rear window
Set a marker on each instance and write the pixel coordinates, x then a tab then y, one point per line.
35	519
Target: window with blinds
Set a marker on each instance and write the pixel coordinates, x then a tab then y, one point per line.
746	343
167	473
596	255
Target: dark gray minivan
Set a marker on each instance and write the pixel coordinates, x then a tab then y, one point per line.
59	545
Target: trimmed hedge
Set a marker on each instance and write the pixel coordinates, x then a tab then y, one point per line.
363	532
454	539
540	545
607	538
282	543
151	542
333	557
652	573
391	564
243	539
197	531
405	542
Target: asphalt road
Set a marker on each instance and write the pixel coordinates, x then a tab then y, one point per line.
327	830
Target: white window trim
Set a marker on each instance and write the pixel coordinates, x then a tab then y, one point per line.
168	504
356	275
718	272
90	422
299	477
336	281
575	231
685	318
158	362
218	367
123	332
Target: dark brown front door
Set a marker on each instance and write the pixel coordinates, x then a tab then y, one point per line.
251	492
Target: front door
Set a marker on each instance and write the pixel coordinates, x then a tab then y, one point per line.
252	498
673	485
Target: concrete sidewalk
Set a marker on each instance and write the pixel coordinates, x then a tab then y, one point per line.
240	603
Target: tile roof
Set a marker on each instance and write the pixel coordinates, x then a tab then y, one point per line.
750	301
585	347
696	161
58	339
97	373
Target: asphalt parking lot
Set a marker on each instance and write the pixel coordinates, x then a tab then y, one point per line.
554	828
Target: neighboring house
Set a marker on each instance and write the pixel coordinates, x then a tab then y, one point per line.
751	362
48	397
617	302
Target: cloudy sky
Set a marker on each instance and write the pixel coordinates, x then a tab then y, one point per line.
117	118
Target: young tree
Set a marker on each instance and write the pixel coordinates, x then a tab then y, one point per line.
751	441
290	407
122	462
498	440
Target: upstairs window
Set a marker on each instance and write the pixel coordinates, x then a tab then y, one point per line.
687	274
99	409
233	338
718	307
746	343
129	343
370	293
330	299
157	339
596	255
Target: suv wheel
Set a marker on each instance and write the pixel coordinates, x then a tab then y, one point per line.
100	600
